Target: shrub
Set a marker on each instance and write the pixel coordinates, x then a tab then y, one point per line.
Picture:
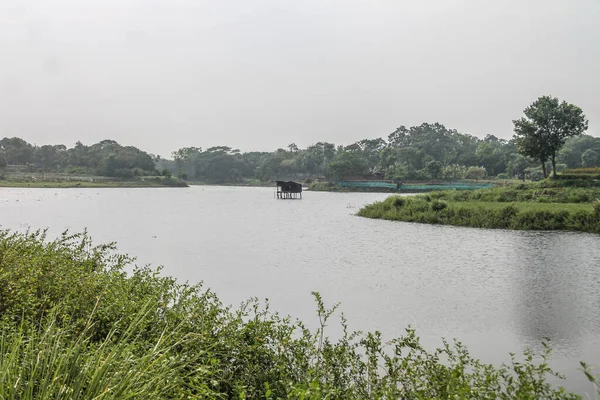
438	205
476	173
424	196
398	201
596	211
502	176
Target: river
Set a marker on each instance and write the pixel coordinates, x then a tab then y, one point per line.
495	290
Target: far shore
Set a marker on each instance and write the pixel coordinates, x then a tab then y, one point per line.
82	184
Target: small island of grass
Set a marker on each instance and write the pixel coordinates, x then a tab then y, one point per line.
568	202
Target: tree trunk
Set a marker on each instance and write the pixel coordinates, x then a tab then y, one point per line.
554	165
544	169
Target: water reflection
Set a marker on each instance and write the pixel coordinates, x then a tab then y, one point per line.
550	281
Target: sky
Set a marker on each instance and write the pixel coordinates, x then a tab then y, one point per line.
261	74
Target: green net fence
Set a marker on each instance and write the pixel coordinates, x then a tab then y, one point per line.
415	186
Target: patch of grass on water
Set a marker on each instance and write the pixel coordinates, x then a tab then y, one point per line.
434	208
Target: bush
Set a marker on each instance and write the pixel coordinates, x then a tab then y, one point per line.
476	173
424	196
597	209
438	205
503	176
398	201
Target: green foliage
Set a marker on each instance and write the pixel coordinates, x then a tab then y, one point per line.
348	164
434	169
584	171
530	208
106	158
572	152
398	201
545	128
476	173
74	325
454	172
438	205
418	153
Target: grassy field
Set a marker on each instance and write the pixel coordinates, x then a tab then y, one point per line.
74	325
539	206
56	180
87	184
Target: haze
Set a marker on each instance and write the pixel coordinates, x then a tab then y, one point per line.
260	74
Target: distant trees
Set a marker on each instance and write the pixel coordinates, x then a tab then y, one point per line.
17	151
106	158
590	158
476	173
572	153
550	130
423	152
545	128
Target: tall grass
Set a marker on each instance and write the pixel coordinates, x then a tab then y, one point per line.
74	325
49	361
433	209
522	193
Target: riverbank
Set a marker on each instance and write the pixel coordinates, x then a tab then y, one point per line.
249	183
547	205
74	325
145	182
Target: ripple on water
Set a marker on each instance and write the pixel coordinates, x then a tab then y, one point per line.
504	288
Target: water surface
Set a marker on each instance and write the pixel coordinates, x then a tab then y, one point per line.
496	290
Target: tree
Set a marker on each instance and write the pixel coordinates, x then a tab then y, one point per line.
17	151
574	148
348	164
434	169
590	158
546	126
475	173
454	171
517	165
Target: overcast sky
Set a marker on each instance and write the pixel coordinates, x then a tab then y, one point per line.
260	74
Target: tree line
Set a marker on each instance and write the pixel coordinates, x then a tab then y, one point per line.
549	136
105	158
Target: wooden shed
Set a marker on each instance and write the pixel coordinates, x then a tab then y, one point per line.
289	190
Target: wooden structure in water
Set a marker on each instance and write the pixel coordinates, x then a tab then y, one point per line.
289	190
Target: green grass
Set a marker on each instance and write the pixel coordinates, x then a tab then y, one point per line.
74	325
138	183
527	207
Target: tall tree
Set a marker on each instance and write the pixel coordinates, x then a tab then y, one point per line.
546	126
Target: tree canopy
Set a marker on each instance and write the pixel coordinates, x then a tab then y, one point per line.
424	152
105	158
545	128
